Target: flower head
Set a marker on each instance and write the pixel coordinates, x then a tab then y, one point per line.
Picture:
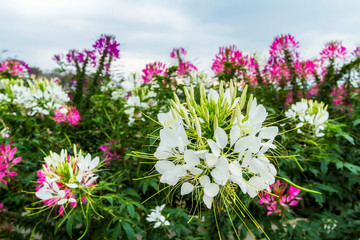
65	179
156	216
7	161
210	148
67	114
153	69
285	197
333	50
309	113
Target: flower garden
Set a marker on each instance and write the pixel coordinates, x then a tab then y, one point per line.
262	148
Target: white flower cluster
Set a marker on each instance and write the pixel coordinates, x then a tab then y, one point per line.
234	154
309	112
134	105
42	96
157	217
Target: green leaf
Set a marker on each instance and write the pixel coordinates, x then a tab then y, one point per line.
131	210
323	166
69	225
116	232
348	137
352	168
356	122
129	230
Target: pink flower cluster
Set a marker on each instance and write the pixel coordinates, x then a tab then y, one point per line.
241	64
284	43
184	67
153	69
7	161
333	50
285	199
67	114
2	209
340	95
14	67
110	154
178	53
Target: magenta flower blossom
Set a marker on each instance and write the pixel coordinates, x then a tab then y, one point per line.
356	52
110	153
107	44
242	65
333	50
7	161
178	53
282	43
67	114
153	69
340	96
2	209
287	197
14	67
185	68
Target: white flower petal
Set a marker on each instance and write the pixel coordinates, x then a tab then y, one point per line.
186	188
268	132
208	201
211	189
204	181
234	134
71	185
235	168
215	149
163	166
221	137
211	159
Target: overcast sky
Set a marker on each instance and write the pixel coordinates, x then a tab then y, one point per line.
34	30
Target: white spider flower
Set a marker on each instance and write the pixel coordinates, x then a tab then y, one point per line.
156	216
223	150
309	113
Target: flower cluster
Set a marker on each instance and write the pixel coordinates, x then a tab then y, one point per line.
333	50
67	114
107	44
309	113
109	153
136	103
157	217
153	69
2	209
7	161
41	97
184	67
14	67
285	197
211	147
66	179
282	45
231	60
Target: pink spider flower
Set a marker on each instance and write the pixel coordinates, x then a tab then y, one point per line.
333	50
2	209
67	114
287	197
7	161
282	43
109	153
340	95
178	53
153	69
242	64
185	68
